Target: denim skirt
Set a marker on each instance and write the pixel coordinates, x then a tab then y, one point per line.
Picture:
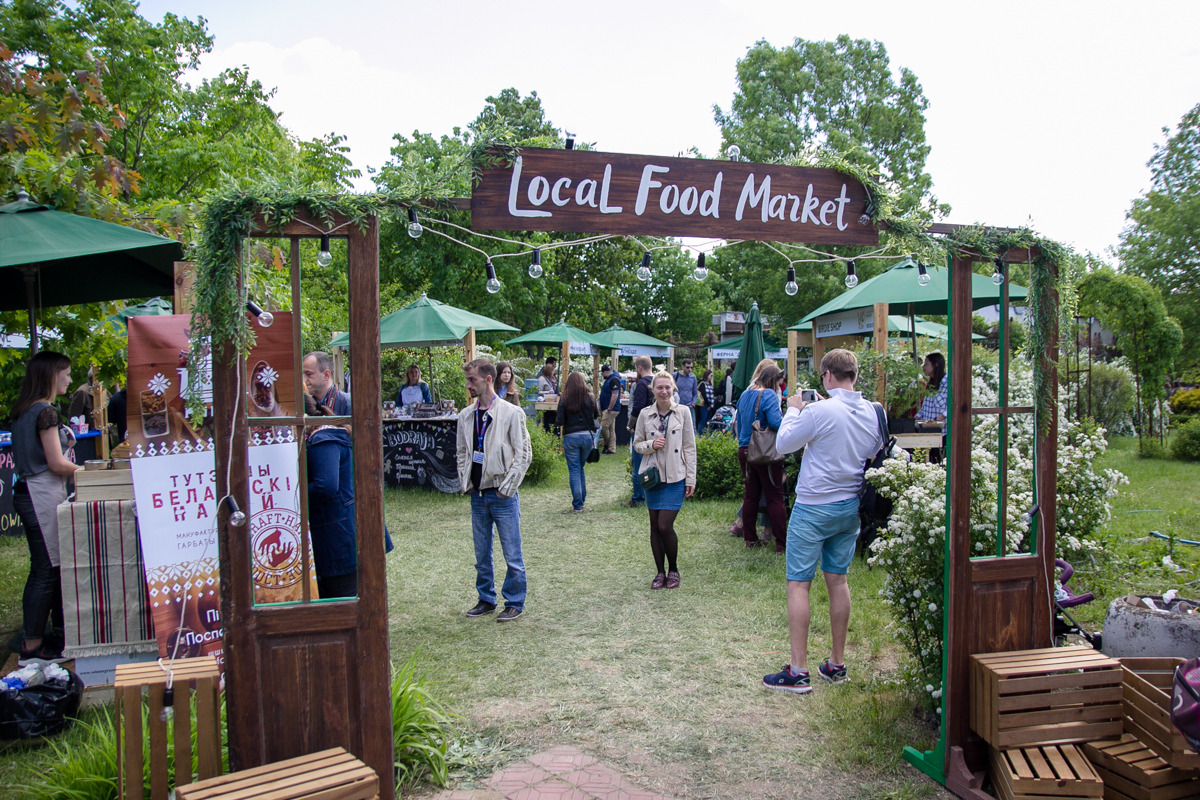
665	497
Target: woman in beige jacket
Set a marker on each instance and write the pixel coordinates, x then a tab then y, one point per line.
665	438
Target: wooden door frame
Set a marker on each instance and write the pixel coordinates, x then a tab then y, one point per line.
357	626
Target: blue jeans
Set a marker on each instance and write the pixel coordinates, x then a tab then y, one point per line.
487	509
701	415
576	447
638	494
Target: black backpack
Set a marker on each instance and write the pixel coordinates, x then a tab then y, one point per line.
873	508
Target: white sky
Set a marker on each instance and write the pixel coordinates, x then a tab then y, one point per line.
1041	113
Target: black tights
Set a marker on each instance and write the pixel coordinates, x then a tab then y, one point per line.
663	540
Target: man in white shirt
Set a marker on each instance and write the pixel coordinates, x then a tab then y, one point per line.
840	435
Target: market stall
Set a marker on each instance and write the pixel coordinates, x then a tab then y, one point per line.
630	344
419	442
574	342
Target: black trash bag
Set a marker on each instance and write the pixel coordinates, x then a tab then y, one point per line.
41	710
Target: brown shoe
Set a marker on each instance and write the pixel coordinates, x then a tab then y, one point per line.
672	580
659	581
750	545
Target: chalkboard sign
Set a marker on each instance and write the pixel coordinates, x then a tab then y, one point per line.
10	524
421	453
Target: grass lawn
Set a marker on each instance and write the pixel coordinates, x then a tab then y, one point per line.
1161	496
666	685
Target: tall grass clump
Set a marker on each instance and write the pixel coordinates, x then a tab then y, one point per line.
422	733
547	454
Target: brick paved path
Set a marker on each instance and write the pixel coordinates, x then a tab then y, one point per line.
561	773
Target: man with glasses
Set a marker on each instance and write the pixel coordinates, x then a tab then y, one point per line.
840	435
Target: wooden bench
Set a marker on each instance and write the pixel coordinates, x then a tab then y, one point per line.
1055	695
328	775
1059	771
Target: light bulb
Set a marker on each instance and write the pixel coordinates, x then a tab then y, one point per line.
643	273
535	263
324	258
236	517
265	318
998	273
791	287
733	152
851	274
414	228
865	217
923	276
168	710
701	271
493	283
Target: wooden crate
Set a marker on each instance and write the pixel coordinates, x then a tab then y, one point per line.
329	775
1058	771
1146	704
103	484
1056	695
1132	771
195	685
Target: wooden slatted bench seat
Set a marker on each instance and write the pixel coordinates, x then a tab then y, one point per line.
1057	771
1056	695
328	775
1132	771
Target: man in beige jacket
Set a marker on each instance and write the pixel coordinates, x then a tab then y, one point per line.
493	454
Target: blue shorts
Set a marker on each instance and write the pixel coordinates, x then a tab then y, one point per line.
824	533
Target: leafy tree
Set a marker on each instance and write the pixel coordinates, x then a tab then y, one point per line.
1151	339
841	94
1161	241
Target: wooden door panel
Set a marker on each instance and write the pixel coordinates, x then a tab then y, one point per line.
313	698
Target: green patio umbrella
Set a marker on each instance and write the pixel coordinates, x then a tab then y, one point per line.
50	258
616	336
428	323
751	349
898	286
558	333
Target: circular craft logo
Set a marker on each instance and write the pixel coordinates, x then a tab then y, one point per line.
276	542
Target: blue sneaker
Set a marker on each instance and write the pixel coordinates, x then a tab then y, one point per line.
834	673
785	681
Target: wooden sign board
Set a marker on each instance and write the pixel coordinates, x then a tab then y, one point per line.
845	323
586	192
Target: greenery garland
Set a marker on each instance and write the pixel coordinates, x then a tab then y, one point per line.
220	298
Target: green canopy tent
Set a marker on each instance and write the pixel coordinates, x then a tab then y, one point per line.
572	340
428	323
899	324
899	286
751	349
51	258
625	342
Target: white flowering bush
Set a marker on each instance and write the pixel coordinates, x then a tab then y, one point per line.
912	547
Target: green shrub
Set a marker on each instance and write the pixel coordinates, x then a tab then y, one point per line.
717	471
1149	447
1109	392
547	454
421	728
1185	442
1186	402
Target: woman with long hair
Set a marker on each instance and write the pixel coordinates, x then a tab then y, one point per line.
40	447
665	439
576	417
506	383
761	402
933	408
704	401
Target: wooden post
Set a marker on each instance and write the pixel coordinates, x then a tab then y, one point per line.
185	277
793	343
469	344
671	360
818	349
710	361
339	364
99	420
596	373
881	346
565	369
